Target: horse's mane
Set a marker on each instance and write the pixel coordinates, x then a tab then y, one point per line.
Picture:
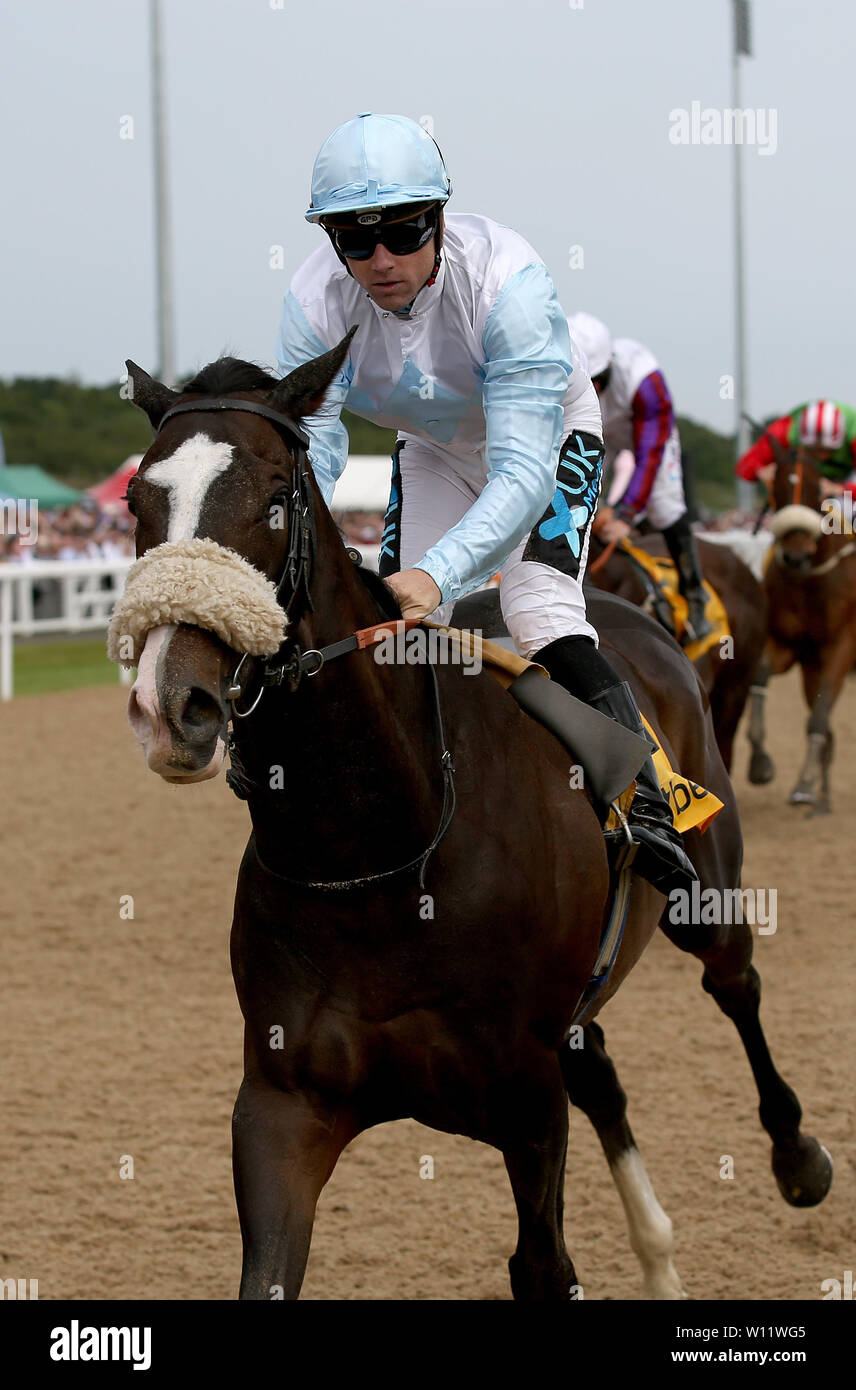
233	374
383	597
230	374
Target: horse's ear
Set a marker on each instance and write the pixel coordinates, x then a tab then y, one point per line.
780	453
302	392
150	395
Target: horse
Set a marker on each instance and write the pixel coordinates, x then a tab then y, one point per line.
423	894
811	597
725	670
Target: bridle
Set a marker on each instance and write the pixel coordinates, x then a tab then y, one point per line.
797	483
297	570
297	574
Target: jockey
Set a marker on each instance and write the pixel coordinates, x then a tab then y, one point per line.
638	416
463	348
824	432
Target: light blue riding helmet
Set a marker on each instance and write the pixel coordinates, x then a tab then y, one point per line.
377	162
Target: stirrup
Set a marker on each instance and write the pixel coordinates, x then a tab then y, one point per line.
650	853
620	845
696	633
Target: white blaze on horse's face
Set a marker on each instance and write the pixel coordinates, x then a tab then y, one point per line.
147	719
188	474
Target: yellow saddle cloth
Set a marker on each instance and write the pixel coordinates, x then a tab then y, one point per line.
666	575
693	807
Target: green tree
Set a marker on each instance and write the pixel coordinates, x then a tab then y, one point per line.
82	433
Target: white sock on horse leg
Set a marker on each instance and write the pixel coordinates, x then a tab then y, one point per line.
649	1227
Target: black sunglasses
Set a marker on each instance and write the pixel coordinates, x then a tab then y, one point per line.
400	238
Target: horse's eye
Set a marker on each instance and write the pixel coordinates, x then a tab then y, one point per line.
128	499
277	510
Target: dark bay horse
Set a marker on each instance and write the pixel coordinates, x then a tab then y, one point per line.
727	671
408	939
811	596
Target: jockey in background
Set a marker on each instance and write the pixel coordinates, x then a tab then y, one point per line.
462	346
638	416
823	432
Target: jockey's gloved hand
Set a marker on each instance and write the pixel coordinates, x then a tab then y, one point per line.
416	592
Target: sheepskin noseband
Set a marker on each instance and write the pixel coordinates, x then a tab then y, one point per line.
796	518
202	583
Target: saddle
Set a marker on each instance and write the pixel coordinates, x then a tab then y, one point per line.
668	604
610	754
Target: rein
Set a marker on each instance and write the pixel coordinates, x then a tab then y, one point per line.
310	663
297	571
447	810
606	554
844	553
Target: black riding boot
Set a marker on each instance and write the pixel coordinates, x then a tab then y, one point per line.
680	542
576	663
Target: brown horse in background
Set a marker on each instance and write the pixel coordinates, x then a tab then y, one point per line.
725	671
422	897
811	595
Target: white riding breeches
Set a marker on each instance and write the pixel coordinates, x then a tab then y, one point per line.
540	591
666	500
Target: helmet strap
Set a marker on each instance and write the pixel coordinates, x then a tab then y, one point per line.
434	273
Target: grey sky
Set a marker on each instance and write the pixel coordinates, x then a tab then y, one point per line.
552	119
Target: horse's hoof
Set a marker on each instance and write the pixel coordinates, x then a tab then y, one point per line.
762	769
804	1173
801	796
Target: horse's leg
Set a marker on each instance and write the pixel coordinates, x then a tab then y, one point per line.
775	661
817	729
593	1086
802	1166
822	682
283	1152
540	1267
727	701
821	806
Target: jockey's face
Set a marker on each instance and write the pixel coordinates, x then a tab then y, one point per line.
393	281
816	454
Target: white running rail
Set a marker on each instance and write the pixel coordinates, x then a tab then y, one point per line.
84	604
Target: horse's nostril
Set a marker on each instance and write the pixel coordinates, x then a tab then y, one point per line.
202	714
138	717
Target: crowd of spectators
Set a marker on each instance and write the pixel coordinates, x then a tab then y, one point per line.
85	532
361	528
79	532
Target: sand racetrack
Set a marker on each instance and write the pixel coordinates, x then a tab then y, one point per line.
123	1037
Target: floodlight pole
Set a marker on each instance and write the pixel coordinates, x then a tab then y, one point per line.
745	491
163	266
